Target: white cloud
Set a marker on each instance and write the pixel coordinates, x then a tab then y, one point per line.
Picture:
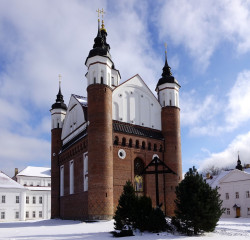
238	109
200	26
228	157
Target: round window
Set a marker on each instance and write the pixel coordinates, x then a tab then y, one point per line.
121	154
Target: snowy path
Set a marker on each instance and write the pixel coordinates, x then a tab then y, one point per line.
64	230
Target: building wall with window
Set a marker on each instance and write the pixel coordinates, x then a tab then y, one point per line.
12	199
234	188
38	198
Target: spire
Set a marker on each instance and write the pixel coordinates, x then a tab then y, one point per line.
59	98
166	69
239	166
100	47
167	76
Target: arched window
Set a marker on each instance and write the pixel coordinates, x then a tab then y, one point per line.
130	142
124	141
160	150
143	145
116	140
138	177
155	147
94	80
137	143
149	146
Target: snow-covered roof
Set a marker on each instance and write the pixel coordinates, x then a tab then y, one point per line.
35	172
82	100
39	188
7	182
247	170
214	182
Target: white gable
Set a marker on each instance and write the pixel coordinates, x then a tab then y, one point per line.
235	176
75	121
134	103
7	182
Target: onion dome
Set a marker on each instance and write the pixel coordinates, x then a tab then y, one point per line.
59	104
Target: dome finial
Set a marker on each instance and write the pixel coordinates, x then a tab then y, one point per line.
103	27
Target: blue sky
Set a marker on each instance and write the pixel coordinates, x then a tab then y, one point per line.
208	50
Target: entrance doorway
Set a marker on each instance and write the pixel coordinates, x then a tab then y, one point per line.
238	212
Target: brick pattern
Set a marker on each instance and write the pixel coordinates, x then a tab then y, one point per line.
172	154
100	152
56	145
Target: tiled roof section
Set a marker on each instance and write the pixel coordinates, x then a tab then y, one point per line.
136	130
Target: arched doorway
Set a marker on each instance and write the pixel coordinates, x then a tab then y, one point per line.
138	177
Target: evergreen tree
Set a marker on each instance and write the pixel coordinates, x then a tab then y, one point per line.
198	206
125	212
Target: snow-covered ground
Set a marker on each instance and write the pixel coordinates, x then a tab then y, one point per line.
232	228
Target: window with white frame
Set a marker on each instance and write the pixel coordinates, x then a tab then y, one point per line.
49	184
62	180
27	214
34	200
247	194
17	199
71	177
227	196
2	215
237	195
40	214
34	214
228	211
3	199
40	200
27	199
85	172
17	215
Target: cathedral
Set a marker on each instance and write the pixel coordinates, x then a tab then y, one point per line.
101	141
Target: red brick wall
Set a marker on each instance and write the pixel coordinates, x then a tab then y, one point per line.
172	154
56	145
100	152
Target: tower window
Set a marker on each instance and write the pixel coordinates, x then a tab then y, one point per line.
130	142
143	145
170	103
160	150
124	141
149	146
164	103
101	80
94	79
116	140
155	147
137	144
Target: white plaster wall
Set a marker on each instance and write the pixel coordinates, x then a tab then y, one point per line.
74	120
10	207
36	181
235	182
57	117
169	94
98	67
45	207
134	103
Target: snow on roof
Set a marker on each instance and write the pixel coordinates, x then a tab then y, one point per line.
35	172
214	182
7	182
39	188
247	170
82	100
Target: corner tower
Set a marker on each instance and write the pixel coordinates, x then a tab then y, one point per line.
101	77
168	96
58	112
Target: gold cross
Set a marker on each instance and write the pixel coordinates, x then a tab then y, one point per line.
99	11
165	46
102	12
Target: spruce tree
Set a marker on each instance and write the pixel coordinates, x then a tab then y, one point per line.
125	212
198	206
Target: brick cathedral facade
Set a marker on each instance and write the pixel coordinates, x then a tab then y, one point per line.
101	141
